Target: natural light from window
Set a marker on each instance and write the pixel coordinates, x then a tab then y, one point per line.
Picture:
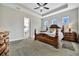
26	24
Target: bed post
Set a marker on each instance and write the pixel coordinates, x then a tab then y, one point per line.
35	34
57	32
56	36
62	30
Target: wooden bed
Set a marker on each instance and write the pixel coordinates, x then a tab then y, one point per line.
47	39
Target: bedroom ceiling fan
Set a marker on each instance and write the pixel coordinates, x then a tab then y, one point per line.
42	6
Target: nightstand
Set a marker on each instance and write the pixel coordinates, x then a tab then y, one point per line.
70	36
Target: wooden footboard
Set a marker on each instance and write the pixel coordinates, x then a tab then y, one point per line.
47	39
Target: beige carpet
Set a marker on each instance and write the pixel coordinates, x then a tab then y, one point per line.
36	48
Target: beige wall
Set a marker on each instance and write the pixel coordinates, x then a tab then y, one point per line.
12	21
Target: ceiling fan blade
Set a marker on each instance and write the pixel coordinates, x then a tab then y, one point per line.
45	4
38	4
46	7
36	7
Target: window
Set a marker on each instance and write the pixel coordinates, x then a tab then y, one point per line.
65	20
46	23
53	21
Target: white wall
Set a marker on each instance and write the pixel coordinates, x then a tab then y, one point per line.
73	17
13	21
78	21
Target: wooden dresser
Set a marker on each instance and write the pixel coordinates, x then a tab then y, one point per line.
4	42
70	36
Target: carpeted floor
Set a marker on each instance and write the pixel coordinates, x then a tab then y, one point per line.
36	48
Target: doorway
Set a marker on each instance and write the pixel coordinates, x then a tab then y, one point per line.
26	27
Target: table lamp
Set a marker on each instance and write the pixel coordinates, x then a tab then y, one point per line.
69	27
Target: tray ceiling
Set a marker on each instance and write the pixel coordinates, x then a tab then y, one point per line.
54	8
51	6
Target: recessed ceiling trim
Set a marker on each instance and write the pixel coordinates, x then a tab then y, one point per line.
60	9
56	9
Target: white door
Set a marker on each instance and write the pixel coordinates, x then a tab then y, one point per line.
26	27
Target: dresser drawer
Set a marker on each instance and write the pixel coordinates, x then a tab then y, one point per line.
70	36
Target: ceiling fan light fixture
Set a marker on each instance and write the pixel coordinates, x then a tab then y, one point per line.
41	7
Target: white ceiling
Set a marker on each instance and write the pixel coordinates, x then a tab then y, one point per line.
51	6
54	8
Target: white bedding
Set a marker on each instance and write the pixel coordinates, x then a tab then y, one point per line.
60	34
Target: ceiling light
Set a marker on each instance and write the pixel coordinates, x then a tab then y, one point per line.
41	7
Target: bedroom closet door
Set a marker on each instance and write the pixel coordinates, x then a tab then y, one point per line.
26	28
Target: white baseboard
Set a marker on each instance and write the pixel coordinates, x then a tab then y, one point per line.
16	39
11	40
